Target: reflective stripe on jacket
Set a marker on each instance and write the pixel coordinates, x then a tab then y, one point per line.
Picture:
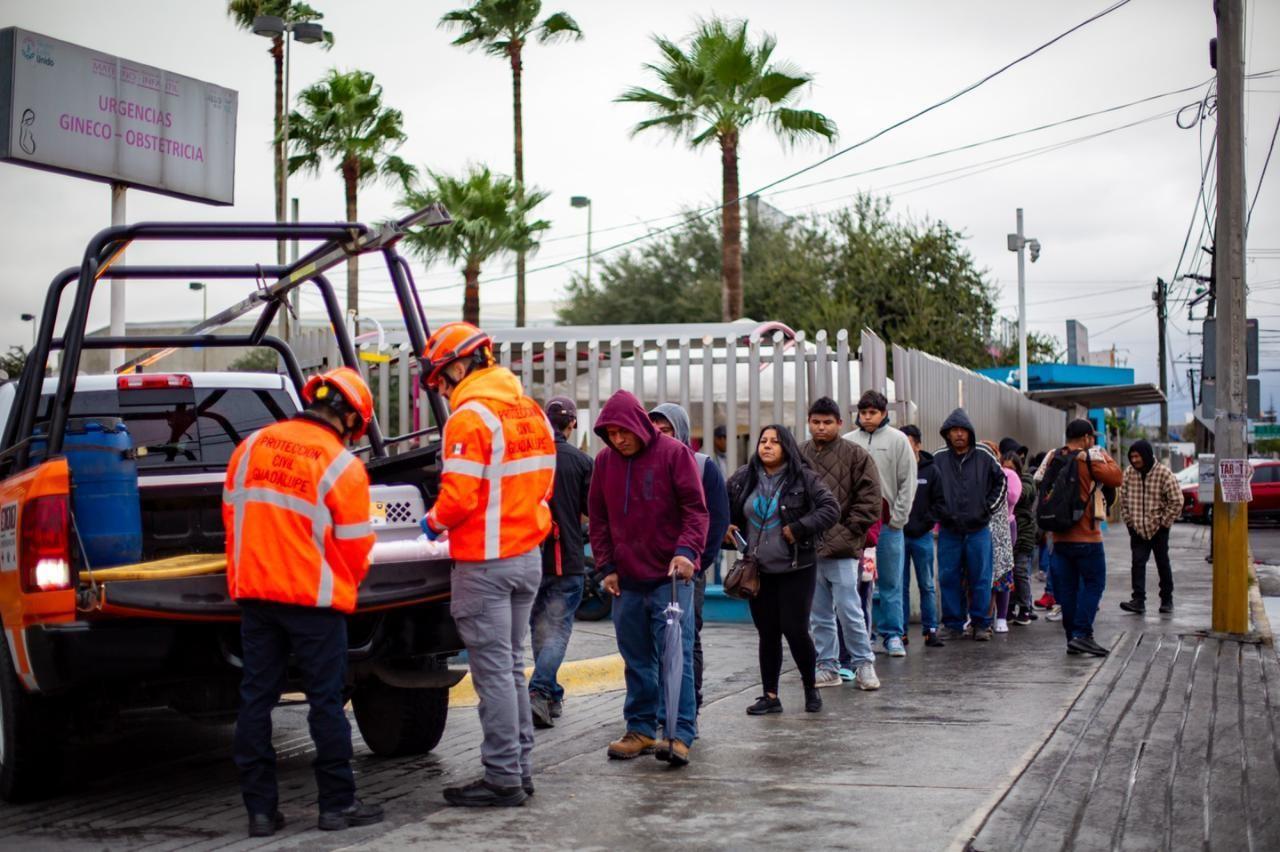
498	470
296	508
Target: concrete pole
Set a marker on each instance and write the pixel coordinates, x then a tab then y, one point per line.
1230	520
1161	297
118	216
1022	307
589	205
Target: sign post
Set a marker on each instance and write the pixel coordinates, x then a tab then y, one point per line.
77	111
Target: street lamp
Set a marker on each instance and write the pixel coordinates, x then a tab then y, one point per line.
31	318
580	201
204	315
307	32
1018	242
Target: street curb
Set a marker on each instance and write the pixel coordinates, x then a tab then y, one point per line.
1258	611
578	677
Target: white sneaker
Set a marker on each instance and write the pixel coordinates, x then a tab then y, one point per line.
1055	614
895	647
1002	625
866	677
827	677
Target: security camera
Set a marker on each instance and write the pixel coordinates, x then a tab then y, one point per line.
1034	245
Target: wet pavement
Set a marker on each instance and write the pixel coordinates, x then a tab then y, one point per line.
918	765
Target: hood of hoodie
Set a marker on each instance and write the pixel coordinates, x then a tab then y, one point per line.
625	411
961	419
496	383
676	416
925	460
1148	454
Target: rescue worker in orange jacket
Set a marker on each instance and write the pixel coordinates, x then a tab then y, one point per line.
497	476
296	508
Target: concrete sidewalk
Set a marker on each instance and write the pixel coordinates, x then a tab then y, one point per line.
938	756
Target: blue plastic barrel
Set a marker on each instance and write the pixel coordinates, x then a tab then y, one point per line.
104	492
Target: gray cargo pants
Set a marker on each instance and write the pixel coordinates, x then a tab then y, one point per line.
491	603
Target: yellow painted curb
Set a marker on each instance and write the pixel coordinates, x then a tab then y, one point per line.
578	677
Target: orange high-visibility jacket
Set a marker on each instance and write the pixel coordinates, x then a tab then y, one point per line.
498	471
296	508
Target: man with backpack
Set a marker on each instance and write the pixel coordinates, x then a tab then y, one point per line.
1071	505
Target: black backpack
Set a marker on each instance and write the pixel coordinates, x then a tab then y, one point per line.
1058	503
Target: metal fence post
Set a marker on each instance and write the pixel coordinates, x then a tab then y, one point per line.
406	391
802	380
615	365
684	377
637	371
708	395
823	368
662	370
593	391
843	397
731	399
753	387
526	367
548	371
779	379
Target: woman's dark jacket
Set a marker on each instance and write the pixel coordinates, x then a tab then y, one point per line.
806	505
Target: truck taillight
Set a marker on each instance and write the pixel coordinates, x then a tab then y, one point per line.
153	381
46	555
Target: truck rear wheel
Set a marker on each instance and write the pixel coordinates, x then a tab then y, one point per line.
31	736
396	721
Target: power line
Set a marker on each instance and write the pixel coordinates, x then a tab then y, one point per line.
1263	175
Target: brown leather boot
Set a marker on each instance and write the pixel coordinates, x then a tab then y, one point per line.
631	745
679	754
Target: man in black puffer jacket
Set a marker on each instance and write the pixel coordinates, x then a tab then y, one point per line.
918	538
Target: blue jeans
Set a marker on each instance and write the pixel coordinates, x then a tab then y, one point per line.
920	552
835	596
641	627
888	603
1046	564
1079	579
965	559
551	624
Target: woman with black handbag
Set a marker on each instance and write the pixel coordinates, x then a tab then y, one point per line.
781	508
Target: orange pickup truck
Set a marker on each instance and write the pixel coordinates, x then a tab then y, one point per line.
112	586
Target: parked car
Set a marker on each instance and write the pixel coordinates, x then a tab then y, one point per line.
1265	486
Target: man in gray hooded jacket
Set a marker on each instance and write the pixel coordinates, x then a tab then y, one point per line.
671	419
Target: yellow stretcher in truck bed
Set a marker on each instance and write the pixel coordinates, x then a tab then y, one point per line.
189	565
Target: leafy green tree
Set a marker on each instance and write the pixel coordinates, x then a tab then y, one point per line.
912	283
502	28
490	218
713	90
343	118
242	13
13	361
1041	349
257	360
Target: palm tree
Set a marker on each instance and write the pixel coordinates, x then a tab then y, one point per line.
242	13
343	118
490	218
713	90
502	28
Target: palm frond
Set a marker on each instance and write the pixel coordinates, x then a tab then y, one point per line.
559	27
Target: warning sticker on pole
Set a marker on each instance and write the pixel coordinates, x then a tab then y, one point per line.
1234	476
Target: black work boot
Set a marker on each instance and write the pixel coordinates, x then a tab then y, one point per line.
540	707
265	825
482	794
358	813
1166	607
1136	607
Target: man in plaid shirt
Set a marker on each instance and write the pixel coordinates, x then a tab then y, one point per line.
1150	501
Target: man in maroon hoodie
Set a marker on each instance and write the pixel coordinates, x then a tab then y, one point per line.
648	523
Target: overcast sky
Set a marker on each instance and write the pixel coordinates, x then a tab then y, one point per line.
1111	212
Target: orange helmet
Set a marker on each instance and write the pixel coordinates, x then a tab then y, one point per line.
452	341
351	386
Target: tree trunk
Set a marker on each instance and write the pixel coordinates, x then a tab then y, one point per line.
517	71
350	178
471	295
730	231
277	56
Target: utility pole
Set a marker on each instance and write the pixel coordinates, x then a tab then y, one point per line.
1161	297
1018	243
1230	520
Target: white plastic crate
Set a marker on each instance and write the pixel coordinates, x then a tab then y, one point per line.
394	511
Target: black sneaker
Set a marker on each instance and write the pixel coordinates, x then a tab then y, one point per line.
526	784
1022	618
1072	650
265	825
933	640
482	794
1166	607
357	814
557	708
540	706
1086	645
957	633
1135	607
812	700
764	704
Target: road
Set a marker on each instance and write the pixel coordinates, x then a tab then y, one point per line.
913	766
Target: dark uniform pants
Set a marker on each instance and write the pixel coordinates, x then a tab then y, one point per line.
317	638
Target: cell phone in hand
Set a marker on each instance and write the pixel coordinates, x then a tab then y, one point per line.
739	542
